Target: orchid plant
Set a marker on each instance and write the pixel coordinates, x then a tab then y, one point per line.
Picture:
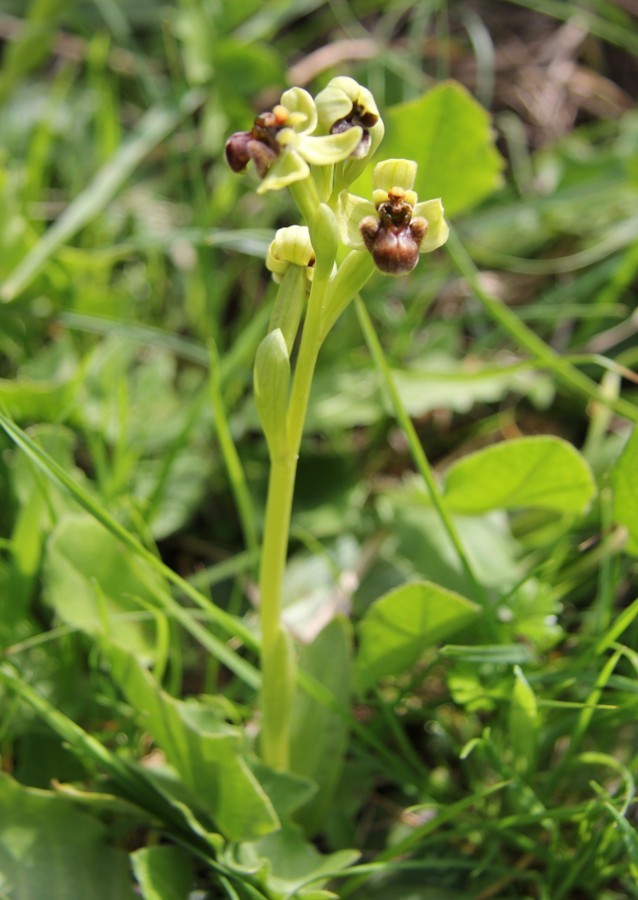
316	148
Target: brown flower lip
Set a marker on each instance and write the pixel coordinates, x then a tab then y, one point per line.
395	237
365	120
259	144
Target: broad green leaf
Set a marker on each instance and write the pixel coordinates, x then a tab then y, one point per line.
206	752
94	583
49	849
291	863
400	626
164	873
449	135
544	472
319	736
624	478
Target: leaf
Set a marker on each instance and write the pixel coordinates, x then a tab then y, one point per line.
93	582
523	724
544	472
449	135
401	625
625	482
292	863
319	735
205	751
156	124
164	873
50	849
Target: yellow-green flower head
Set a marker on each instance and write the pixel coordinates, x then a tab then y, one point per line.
394	227
281	143
345	104
290	247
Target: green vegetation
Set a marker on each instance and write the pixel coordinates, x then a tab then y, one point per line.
444	701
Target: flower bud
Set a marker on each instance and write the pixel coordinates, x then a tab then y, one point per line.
291	247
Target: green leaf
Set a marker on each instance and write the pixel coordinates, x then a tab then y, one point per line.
94	584
544	472
164	873
271	383
625	483
523	724
319	735
156	124
292	863
401	625
449	135
50	849
206	752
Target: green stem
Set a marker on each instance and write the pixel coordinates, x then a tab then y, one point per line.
277	661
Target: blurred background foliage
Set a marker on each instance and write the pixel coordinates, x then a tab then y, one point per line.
128	250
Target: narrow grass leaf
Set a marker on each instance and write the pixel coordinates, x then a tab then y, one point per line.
523	724
230	625
156	124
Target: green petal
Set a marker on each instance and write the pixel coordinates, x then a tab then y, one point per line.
296	100
351	211
329	149
394	173
287	168
333	103
338	97
438	231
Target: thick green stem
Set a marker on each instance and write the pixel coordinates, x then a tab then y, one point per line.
277	658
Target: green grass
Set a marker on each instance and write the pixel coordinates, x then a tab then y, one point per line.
465	614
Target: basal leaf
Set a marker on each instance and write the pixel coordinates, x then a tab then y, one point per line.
206	752
544	472
401	625
319	735
94	583
164	873
49	849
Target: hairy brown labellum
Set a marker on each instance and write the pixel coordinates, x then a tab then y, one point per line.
259	144
395	237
